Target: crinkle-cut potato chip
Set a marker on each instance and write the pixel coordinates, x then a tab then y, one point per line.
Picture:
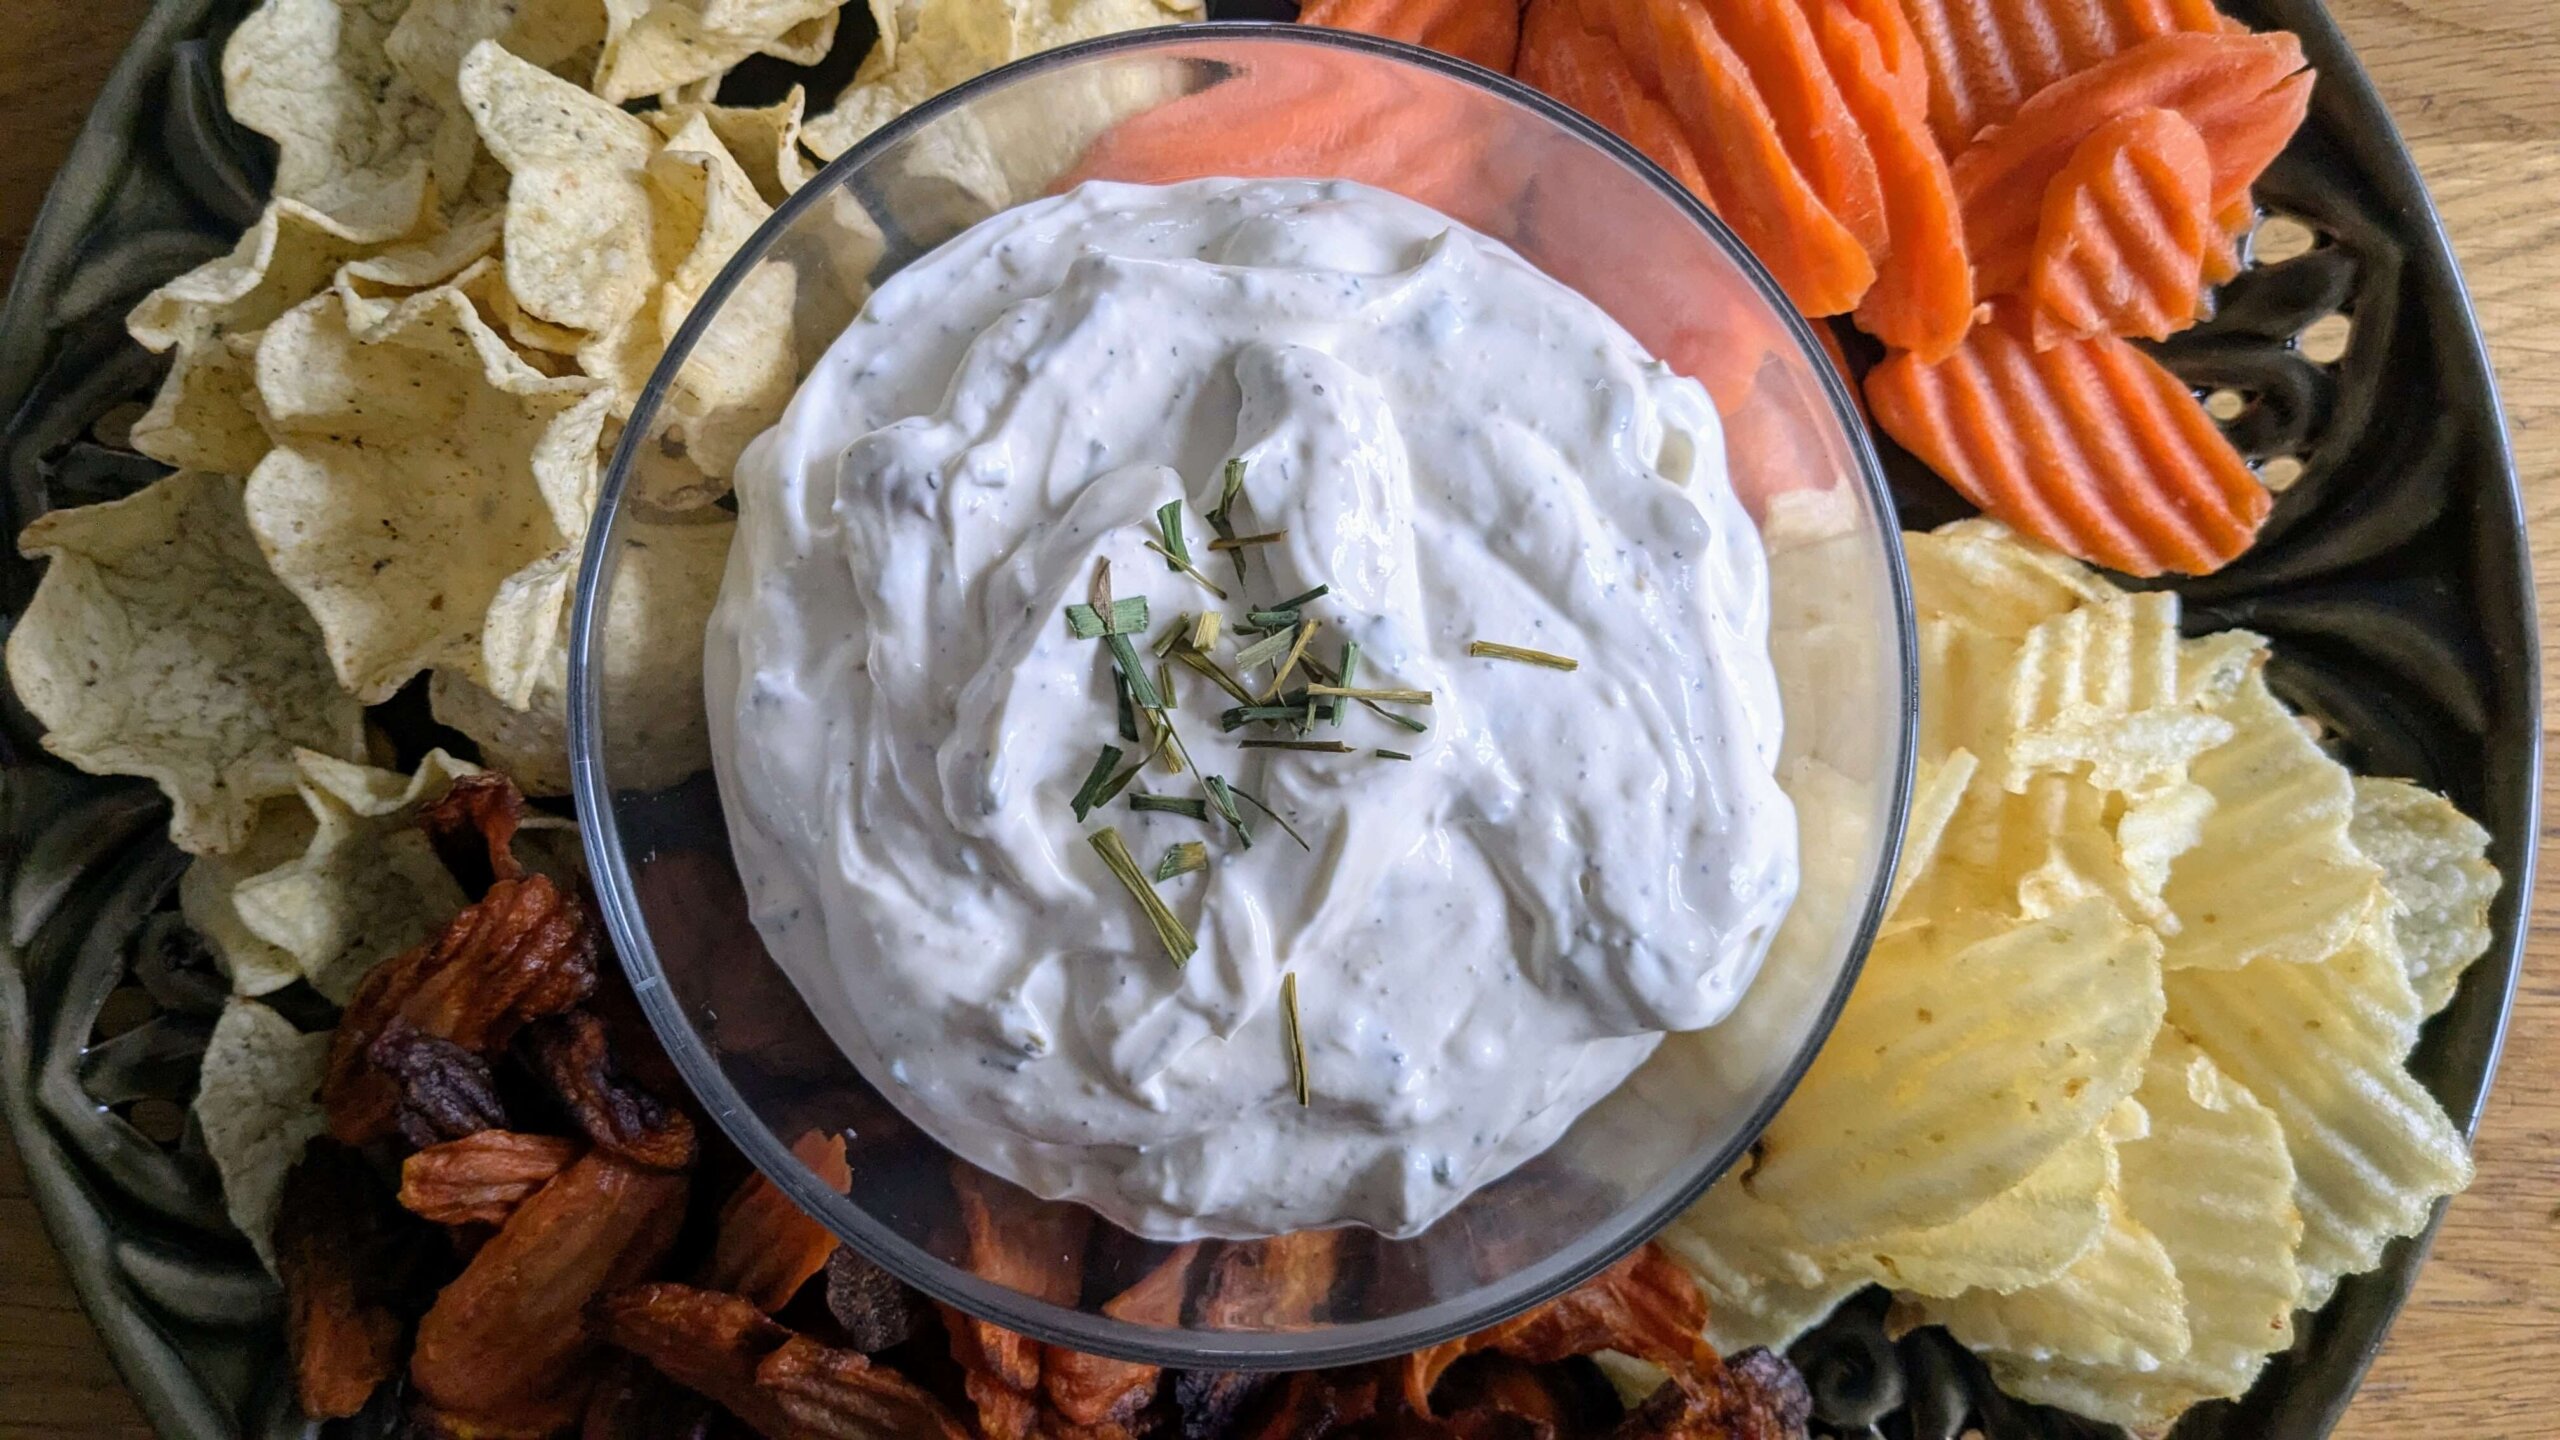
2212	668
1762	1286
1964	684
2372	1150
412	476
1954	1071
203	416
254	967
2026	1235
660	603
928	48
2120	1304
1937	787
2214	1185
355	140
580	248
159	645
258	1103
1980	572
2048	847
652	47
2274	874
764	141
2098	686
427	43
2152	832
2434	865
367	885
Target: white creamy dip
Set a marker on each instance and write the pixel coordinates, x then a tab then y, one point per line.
1487	938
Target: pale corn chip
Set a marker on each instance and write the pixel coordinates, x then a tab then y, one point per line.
741	373
203	416
277	264
2213	1183
1954	1072
258	1102
283	831
1979	572
2433	865
2120	1304
371	287
431	38
355	140
367	885
2026	1235
2273	874
765	142
2372	1150
411	477
655	46
159	645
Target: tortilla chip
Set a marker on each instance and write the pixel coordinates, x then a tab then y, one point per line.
159	645
740	375
765	142
372	286
258	1102
366	885
255	967
432	36
277	263
654	46
412	476
355	139
202	418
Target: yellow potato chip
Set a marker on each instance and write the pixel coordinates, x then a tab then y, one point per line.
2120	1305
765	141
2098	687
2213	1183
1955	1071
1979	572
255	967
2026	1235
2151	833
2274	874
2372	1150
655	46
202	419
1936	788
2047	848
1964	679
412	476
159	645
366	885
1762	1288
2433	866
355	140
258	1103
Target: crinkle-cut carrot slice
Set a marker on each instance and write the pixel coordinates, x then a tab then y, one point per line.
2090	446
1581	68
1923	296
1484	31
1814	121
1674	47
1988	57
2244	93
2127	225
2231	225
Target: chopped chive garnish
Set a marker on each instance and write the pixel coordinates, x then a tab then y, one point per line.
1297	1039
1271	619
1127	617
1223	795
1391	754
1247	797
1289	662
1142	690
1269	647
1172	635
1089	794
1204	631
1128	714
1350	669
1172	758
1488	650
1098	593
1181	858
1316	668
1177	563
1169	928
1237	717
1247	542
1222	519
1300	602
1169	520
1215	672
1386	697
1191	805
1323	747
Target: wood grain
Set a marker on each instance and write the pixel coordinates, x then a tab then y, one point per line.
2475	85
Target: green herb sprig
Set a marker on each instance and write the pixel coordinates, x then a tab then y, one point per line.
1177	938
1491	650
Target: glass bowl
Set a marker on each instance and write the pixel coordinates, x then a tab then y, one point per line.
1576	202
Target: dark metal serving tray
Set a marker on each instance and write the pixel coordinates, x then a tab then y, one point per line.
2393	578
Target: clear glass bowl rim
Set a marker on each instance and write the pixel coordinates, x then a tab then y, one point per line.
1345	1344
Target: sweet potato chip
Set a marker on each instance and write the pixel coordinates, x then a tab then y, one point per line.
258	1103
336	1244
841	1395
1096	1391
1646	1305
703	1340
355	140
446	1092
766	1247
573	1056
874	1307
159	645
2126	229
481	1178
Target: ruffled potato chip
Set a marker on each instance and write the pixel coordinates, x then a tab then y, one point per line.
258	1103
2119	1305
1981	573
2096	691
2433	863
655	46
1762	1285
1956	1069
159	645
2024	1236
2274	874
2213	1184
355	139
1937	787
413	474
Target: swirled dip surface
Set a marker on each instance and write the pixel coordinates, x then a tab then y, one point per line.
1486	938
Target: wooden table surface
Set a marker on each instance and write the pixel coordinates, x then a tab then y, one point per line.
2475	85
